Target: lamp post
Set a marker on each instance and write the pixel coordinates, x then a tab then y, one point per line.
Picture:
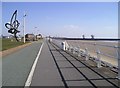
24	25
35	30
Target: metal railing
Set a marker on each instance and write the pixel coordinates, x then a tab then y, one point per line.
98	54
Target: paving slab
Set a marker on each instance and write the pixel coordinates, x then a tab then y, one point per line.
64	64
78	64
89	73
101	83
78	83
72	74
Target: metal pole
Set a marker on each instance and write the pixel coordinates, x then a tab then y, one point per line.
24	25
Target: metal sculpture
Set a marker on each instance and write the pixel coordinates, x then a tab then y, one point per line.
13	25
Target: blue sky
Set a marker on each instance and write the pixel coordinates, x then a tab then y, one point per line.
70	19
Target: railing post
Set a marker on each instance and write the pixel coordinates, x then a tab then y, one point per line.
86	54
98	59
98	56
118	56
63	46
66	46
73	50
119	67
79	52
69	49
50	39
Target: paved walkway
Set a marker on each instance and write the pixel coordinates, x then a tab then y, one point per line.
58	68
55	67
46	73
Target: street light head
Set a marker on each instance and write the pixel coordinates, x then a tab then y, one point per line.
24	15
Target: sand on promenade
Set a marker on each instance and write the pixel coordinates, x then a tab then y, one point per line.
93	46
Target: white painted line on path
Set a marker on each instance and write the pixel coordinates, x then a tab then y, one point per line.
29	79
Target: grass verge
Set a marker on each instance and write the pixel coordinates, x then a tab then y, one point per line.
10	43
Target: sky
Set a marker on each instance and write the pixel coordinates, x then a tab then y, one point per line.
64	19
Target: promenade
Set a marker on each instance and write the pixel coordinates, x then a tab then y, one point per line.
56	67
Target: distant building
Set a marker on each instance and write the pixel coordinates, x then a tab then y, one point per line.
11	36
39	36
5	37
30	37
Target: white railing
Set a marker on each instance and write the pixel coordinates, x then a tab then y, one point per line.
97	54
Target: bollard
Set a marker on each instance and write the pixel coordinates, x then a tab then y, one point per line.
86	54
98	59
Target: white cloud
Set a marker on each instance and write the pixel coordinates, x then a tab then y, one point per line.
71	27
